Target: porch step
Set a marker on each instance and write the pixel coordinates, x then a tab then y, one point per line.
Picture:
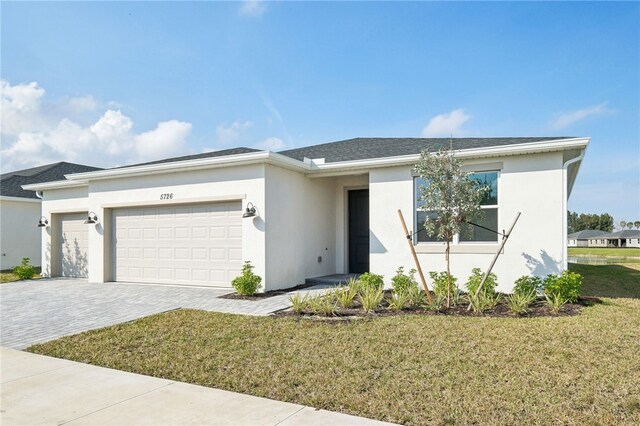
334	280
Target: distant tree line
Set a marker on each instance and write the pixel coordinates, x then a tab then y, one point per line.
580	222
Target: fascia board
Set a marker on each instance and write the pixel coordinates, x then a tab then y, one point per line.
58	184
19	199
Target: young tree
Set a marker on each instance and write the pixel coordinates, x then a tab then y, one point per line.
623	224
629	225
450	196
637	224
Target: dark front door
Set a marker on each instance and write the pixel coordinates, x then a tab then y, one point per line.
359	231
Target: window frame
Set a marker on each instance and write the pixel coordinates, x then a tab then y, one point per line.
456	238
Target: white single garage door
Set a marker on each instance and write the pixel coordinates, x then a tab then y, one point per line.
74	245
199	244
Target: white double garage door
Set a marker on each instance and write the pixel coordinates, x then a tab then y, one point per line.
199	244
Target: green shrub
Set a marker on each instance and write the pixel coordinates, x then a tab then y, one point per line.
403	283
527	284
371	298
437	303
555	301
399	301
25	271
483	301
441	283
519	302
567	286
417	297
247	283
345	296
323	304
489	287
370	281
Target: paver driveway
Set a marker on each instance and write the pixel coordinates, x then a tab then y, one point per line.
39	311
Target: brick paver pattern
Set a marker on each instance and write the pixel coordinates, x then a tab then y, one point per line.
39	311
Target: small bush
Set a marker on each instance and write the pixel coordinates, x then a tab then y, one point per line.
441	283
371	298
345	296
489	287
322	304
527	284
417	297
299	303
437	303
567	286
25	271
399	301
371	281
483	301
519	302
555	301
403	283
247	283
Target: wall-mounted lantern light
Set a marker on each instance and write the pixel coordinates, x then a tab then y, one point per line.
42	222
92	218
250	211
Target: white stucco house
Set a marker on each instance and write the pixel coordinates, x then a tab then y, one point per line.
309	212
582	238
20	210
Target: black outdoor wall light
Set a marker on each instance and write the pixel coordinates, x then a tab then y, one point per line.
92	218
43	222
250	211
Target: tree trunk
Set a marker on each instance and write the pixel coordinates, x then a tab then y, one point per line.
447	251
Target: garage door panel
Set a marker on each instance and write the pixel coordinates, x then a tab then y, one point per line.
74	245
173	245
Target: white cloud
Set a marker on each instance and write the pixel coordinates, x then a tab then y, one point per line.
34	134
446	124
271	144
253	8
226	134
568	118
166	140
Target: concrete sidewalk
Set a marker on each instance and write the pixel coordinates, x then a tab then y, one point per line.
36	389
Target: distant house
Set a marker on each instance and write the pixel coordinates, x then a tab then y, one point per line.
20	211
581	238
626	238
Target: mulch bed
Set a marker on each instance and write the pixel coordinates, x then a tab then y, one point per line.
265	295
538	308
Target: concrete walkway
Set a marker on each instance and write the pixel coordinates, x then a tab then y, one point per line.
39	311
37	390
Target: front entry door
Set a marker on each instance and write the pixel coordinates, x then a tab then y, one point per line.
359	231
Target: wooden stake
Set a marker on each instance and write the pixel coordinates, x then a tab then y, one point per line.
495	258
415	256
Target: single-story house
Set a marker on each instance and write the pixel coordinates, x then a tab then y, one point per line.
20	210
625	238
304	212
581	238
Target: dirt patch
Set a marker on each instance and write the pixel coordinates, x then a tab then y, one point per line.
539	308
265	295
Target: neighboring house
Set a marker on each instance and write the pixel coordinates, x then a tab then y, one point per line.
308	212
20	211
625	238
581	238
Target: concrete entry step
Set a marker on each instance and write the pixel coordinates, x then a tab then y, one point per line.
331	280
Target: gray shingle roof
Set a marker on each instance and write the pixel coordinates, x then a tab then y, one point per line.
586	234
367	148
221	153
627	233
11	182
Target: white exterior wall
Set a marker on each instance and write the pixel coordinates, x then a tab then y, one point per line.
531	184
19	234
245	183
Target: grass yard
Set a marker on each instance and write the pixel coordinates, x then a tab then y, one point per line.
408	369
604	252
9	277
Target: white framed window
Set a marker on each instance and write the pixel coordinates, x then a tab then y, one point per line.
471	233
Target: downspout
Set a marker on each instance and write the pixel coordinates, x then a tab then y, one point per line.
39	194
565	205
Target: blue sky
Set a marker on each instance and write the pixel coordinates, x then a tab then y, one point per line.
113	83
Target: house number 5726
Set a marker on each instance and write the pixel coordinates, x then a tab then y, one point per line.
168	196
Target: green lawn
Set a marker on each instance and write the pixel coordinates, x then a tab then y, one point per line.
9	277
604	252
409	369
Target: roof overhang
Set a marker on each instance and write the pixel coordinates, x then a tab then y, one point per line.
311	168
20	199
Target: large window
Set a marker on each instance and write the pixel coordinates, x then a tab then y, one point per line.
469	233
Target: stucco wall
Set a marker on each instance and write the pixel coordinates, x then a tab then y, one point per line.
531	184
300	221
19	236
